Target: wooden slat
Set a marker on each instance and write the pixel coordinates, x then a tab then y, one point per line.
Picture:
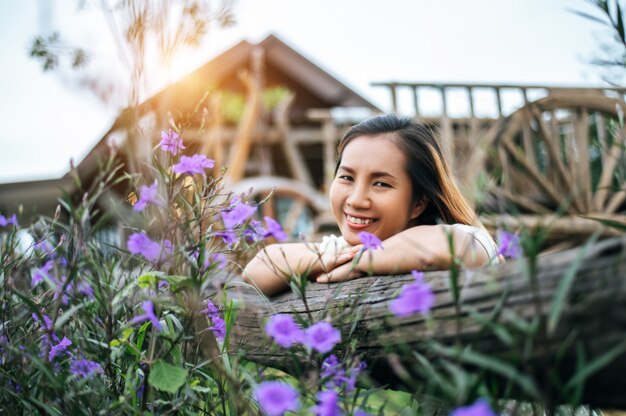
296	162
498	102
416	103
616	201
581	135
295	211
611	159
394	98
529	146
552	148
538	178
522	201
601	133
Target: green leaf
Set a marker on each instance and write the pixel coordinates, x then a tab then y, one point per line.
167	377
491	364
148	280
67	315
596	365
609	222
588	16
566	284
178	282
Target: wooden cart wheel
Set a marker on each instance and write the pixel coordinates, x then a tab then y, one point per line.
297	206
563	153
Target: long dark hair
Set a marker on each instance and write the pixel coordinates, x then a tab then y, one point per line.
429	173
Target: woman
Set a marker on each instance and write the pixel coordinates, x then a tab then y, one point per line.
391	181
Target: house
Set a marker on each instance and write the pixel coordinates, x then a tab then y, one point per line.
285	131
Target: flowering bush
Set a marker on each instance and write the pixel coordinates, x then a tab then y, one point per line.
88	328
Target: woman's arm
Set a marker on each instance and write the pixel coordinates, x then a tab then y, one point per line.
424	247
272	268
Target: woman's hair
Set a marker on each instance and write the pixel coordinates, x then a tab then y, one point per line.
429	173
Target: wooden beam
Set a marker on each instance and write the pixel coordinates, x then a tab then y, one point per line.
593	318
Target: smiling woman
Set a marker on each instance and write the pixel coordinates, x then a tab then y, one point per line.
391	182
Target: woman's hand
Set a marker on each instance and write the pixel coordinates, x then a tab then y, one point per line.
344	266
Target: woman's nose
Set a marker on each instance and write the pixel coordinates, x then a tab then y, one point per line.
359	197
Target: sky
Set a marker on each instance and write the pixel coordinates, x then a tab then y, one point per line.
49	118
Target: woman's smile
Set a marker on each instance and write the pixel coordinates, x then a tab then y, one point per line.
359	222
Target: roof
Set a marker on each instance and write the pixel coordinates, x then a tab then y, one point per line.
315	88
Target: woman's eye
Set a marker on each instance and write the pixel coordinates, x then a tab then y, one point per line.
345	177
382	184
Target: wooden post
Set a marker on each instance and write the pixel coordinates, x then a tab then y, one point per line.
447	135
240	150
416	103
394	98
295	160
329	137
499	102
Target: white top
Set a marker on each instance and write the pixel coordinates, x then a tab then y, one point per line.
484	239
337	243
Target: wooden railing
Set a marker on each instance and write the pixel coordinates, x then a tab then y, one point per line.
538	91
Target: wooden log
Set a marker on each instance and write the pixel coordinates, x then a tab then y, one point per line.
593	319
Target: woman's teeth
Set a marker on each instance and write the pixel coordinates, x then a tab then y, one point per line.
356	220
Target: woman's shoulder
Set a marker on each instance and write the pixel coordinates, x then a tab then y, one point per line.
482	237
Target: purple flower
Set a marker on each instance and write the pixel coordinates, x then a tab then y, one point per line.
41	273
45	246
147	195
60	348
333	372
219	259
211	259
4	221
255	231
211	309
321	337
139	243
327	404
370	241
354	374
508	244
237	215
274	229
229	237
149	315
275	398
335	375
171	142
85	289
218	327
479	408
284	330
47	322
193	165
414	297
85	368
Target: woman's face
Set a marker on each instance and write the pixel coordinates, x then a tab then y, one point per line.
372	191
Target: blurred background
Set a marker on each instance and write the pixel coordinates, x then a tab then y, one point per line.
526	114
